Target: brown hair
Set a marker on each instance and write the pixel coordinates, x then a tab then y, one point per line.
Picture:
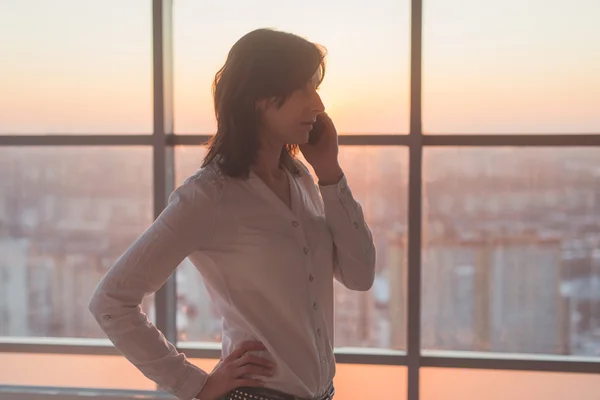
263	64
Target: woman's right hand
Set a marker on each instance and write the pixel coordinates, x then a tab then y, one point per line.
233	371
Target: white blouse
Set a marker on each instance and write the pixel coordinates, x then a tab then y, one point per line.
268	269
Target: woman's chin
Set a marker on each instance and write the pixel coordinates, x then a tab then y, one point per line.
298	139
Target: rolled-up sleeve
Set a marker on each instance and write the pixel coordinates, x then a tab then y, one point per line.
354	255
186	225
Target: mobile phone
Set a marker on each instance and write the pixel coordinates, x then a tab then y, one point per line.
317	131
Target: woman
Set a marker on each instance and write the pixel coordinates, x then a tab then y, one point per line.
267	240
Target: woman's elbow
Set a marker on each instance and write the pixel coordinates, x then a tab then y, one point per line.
365	282
369	266
105	305
364	277
98	306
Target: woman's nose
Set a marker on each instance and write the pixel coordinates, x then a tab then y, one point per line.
318	103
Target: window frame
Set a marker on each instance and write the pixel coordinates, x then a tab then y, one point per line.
163	141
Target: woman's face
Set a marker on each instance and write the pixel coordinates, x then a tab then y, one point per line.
292	122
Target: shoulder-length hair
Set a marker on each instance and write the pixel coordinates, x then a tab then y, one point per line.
263	64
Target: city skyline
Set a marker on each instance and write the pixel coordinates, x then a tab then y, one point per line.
502	243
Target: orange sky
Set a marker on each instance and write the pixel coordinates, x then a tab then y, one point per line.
509	67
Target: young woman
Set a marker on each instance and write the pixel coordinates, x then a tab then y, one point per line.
268	241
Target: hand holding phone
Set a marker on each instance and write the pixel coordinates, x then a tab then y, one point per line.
321	151
317	131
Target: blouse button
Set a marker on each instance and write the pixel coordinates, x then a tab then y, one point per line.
295	224
311	278
305	250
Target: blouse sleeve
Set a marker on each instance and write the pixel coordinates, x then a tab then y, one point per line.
354	256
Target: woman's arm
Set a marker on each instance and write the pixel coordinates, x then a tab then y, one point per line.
354	255
184	226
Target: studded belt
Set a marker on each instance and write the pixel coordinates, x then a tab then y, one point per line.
258	393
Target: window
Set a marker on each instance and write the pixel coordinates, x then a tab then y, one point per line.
352	382
505	229
366	85
100	372
73	67
66	215
465	384
197	320
376	319
510	256
511	67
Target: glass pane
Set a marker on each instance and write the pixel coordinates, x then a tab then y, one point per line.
73	67
378	177
66	215
71	370
511	66
356	381
367	81
196	319
352	381
510	258
360	382
470	384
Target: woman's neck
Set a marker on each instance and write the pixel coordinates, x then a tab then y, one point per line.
268	160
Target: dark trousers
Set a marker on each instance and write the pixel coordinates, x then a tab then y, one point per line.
259	393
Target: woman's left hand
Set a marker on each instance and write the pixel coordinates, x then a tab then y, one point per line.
323	155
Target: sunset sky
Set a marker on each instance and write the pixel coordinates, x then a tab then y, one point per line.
488	67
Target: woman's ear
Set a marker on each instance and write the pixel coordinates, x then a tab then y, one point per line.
260	105
264	104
